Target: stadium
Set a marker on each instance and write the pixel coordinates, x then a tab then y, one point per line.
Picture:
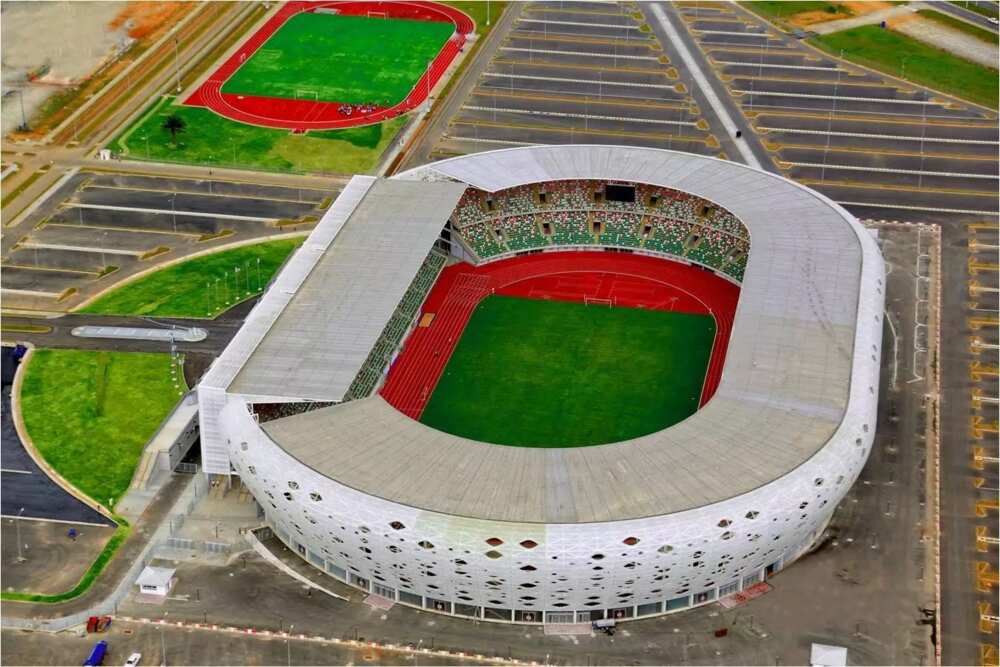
557	384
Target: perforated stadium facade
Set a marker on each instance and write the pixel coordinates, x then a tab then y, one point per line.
659	523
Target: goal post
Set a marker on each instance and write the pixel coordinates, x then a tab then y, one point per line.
377	15
306	94
594	301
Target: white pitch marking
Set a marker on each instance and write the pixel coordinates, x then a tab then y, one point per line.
950	174
894	137
557	114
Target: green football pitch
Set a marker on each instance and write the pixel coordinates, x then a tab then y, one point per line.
333	58
541	373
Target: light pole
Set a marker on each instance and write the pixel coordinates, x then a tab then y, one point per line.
487	13
24	118
17	525
177	66
173	209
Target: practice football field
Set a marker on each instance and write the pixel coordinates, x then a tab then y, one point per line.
539	373
333	58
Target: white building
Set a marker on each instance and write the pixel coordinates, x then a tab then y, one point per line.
659	523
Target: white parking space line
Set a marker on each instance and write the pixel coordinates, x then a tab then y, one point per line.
586	54
815	68
885	170
557	114
18	472
731	32
82	248
580	23
866	135
906	207
605	82
167	211
30	292
699	77
839	98
505	142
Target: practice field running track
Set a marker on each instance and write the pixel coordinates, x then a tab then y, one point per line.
543	373
346	59
336	64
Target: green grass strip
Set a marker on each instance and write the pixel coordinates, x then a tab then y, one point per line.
539	373
199	287
88	578
211	140
338	58
784	10
887	51
91	413
24	185
960	25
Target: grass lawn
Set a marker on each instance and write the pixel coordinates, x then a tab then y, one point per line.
539	373
963	26
182	290
886	50
210	139
782	9
90	413
351	59
477	10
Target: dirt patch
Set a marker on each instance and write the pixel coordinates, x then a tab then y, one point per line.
866	7
803	19
142	18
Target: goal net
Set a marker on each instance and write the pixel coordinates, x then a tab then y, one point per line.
594	301
306	94
377	15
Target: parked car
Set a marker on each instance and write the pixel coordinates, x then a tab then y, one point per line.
133	660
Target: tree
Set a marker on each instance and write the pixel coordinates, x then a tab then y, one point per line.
174	124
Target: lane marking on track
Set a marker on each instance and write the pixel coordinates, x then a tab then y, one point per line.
905	207
161	211
504	75
699	77
839	98
948	174
585	24
556	114
867	135
588	54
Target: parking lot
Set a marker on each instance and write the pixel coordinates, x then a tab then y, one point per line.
97	229
575	72
882	147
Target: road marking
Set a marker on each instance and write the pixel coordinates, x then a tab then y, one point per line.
81	248
658	71
578	39
30	292
699	77
750	64
885	170
905	207
506	142
585	24
556	10
731	32
839	98
742	48
814	82
49	268
589	54
195	214
556	114
128	230
893	137
580	130
879	117
867	185
780	145
504	75
642	102
17	472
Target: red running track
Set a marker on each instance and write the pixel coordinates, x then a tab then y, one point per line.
301	115
636	281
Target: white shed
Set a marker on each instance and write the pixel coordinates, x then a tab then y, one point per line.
826	655
156	580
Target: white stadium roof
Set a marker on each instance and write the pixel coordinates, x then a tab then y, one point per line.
350	274
791	375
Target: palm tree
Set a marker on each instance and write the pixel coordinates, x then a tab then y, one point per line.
174	124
